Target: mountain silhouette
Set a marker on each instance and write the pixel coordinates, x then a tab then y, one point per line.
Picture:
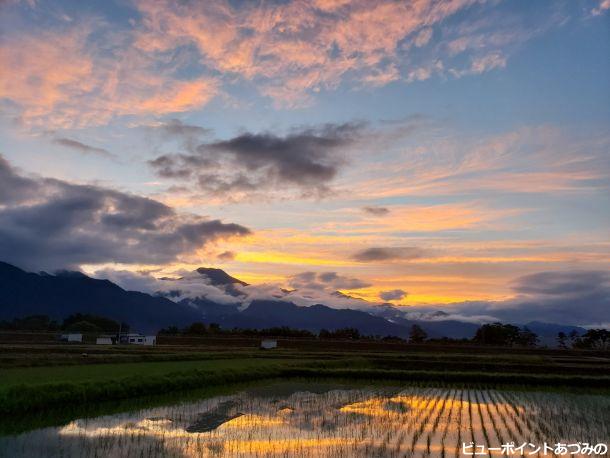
68	292
23	293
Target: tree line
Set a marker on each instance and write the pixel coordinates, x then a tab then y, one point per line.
508	335
203	329
594	339
492	334
78	322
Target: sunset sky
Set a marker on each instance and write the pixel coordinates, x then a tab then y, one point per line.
421	152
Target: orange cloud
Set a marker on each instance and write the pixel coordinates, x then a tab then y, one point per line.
35	80
90	71
57	80
295	47
422	218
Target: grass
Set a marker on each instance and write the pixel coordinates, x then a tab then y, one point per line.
35	397
104	372
15	354
472	377
109	374
116	382
37	388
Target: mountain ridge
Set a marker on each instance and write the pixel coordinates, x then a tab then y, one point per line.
24	293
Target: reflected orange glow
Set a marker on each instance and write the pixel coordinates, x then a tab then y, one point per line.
333	423
251	420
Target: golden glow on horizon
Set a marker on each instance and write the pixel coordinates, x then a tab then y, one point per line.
153	99
285	258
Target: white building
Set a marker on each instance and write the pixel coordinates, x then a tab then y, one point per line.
104	340
138	339
150	340
268	344
72	337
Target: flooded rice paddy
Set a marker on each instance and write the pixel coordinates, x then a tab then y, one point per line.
313	420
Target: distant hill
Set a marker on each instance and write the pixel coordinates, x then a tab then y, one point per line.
435	326
212	312
66	293
265	314
58	296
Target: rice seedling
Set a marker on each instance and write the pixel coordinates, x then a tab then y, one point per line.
329	421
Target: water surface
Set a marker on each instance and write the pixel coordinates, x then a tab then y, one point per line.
323	420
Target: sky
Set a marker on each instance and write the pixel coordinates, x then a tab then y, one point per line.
450	154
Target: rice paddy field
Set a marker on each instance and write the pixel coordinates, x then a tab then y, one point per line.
361	401
307	419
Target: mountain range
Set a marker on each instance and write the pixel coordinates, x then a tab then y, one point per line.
64	293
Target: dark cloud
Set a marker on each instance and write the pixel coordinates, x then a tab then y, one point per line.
388	254
82	147
307	277
65	225
393	295
13	186
562	283
188	135
327	277
303	158
176	128
214	184
575	297
325	281
566	297
349	283
226	256
166	166
307	160
376	211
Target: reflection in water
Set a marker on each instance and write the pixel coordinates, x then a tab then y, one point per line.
333	422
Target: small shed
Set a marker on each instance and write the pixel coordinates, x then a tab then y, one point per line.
268	344
150	340
72	337
104	340
138	339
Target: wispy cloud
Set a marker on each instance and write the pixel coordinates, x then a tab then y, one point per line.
82	147
176	57
295	49
178	129
376	211
426	218
384	254
539	159
65	78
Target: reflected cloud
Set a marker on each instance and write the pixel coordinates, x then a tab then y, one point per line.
330	421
